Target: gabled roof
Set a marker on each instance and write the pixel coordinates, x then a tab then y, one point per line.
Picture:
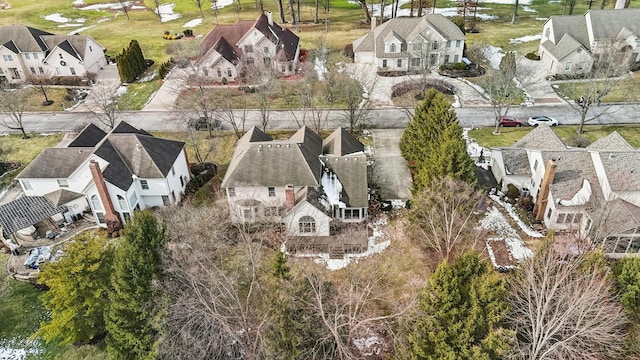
90	136
56	163
573	167
566	46
26	211
25	38
62	196
618	216
223	39
64	43
573	25
117	173
11	46
351	170
622	169
341	142
516	162
124	127
541	138
284	39
606	24
612	141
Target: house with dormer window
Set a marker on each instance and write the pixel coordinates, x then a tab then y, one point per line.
410	44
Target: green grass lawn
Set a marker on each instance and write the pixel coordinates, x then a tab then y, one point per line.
17	149
508	136
627	90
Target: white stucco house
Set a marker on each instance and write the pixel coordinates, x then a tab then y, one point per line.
410	44
303	182
572	44
27	52
594	191
108	175
229	51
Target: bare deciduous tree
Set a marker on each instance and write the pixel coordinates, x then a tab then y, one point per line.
156	9
199	4
353	90
106	109
263	79
441	218
13	104
125	8
562	309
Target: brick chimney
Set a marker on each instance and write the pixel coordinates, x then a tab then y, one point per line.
110	214
543	194
289	197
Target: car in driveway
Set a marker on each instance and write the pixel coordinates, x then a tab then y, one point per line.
542	120
510	121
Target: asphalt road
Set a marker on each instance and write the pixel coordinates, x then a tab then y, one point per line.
64	121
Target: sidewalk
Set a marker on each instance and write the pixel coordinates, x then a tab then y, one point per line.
166	96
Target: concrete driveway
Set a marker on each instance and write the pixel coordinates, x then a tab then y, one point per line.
390	171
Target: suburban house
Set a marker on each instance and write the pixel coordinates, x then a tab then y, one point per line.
572	44
105	176
230	51
410	44
594	191
26	52
303	182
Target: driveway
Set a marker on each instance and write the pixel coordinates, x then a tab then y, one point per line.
390	172
537	86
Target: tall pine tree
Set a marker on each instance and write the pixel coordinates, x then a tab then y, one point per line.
460	313
133	317
433	143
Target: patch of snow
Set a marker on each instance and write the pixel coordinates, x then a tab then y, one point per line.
368	346
121	90
320	68
17	349
81	29
150	98
69	25
137	7
192	23
495	221
406	11
166	12
512	213
398	203
528	9
453	12
493	54
475	150
78	2
219	4
332	188
509	2
150	76
57	17
581	197
524	39
538	18
528	100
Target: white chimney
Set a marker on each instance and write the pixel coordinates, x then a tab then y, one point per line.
620	4
374	20
270	17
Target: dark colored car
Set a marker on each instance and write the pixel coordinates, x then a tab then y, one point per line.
201	124
510	121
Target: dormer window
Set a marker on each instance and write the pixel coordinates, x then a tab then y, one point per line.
63	183
392	47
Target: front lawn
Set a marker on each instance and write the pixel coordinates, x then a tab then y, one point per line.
16	149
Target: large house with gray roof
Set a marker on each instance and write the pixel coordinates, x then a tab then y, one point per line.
108	175
572	44
594	191
26	52
410	44
303	182
230	51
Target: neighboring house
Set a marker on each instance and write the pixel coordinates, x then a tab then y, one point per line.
26	52
303	182
410	44
109	175
572	44
229	51
593	190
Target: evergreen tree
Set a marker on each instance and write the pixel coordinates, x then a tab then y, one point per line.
627	281
133	317
77	296
460	313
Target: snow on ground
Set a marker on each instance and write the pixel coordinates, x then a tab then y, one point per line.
509	2
450	12
512	213
103	6
57	17
221	3
496	222
76	31
192	23
78	2
528	9
320	68
526	39
377	243
475	150
150	76
493	54
16	349
121	90
166	12
368	346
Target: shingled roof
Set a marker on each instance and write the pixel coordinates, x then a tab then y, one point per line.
26	211
341	142
90	136
25	38
56	163
62	196
541	138
612	141
351	170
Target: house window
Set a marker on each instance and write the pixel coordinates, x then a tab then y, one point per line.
95	203
181	182
433	59
35	56
73	71
535	165
133	199
14	73
219	72
561	218
173	171
100	217
60	55
417	46
250	61
384	63
173	197
446	59
266	50
248	48
122	202
40	70
577	218
165	200
127	217
58	72
247	214
27	185
229	72
434	45
231	192
547	33
90	48
33	70
271	211
144	184
399	62
307	225
392	47
448	43
351	214
26	56
267	61
458	43
588	226
1	72
7	57
63	183
272	191
567	65
549	213
415	61
455	58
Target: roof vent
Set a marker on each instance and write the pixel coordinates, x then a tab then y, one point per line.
138	147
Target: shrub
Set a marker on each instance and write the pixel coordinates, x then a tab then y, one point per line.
512	192
188	33
225	81
578	141
348	51
532	56
525	203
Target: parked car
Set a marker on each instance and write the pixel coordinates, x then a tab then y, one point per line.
541	119
201	124
510	121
